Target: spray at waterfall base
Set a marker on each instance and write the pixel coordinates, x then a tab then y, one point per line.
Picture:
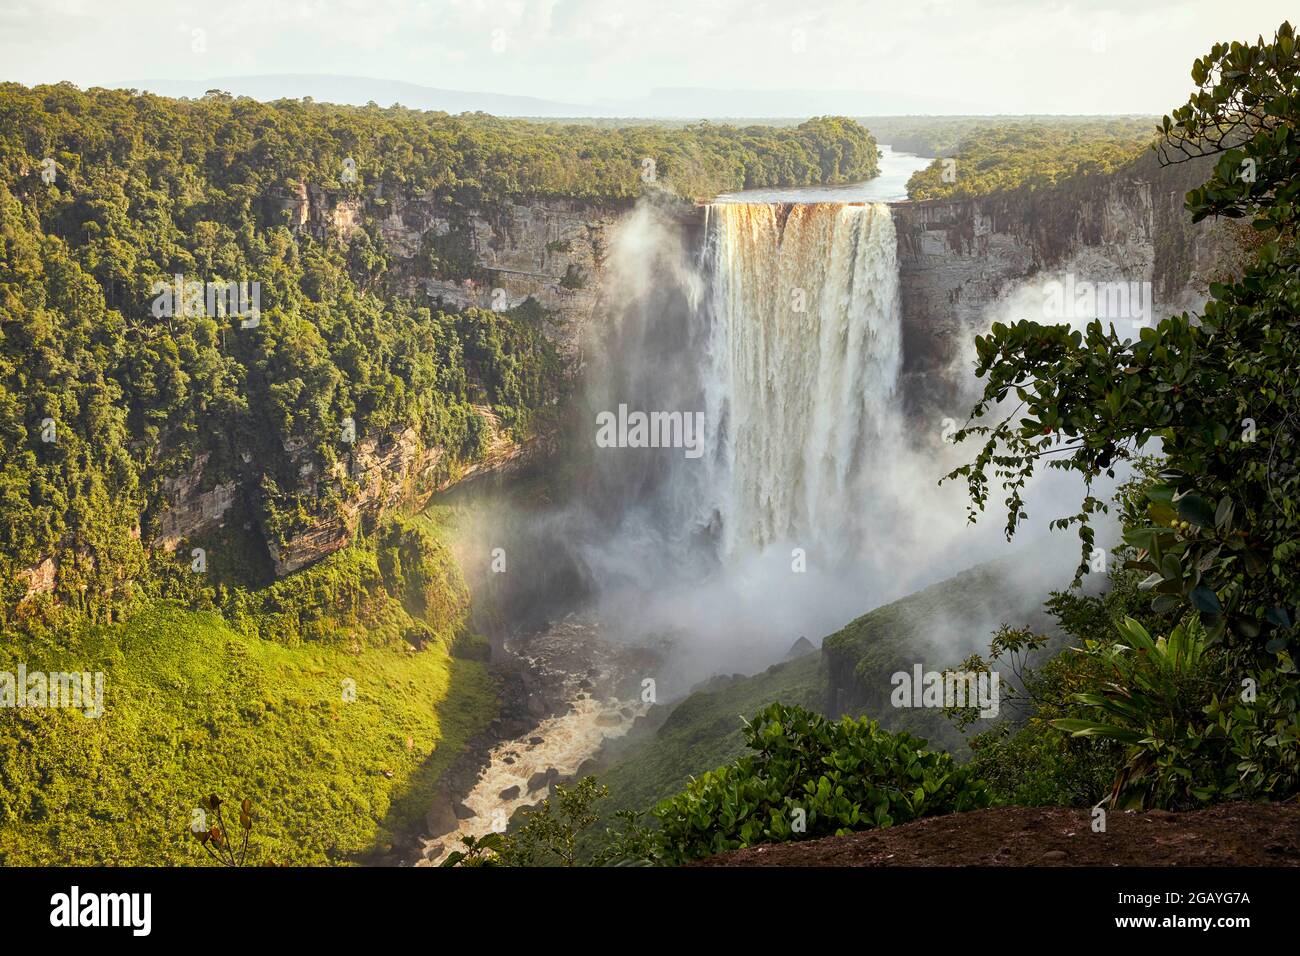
785	493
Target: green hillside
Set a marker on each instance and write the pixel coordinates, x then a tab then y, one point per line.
254	705
937	626
193	707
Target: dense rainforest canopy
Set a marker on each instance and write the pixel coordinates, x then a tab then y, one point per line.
242	148
996	156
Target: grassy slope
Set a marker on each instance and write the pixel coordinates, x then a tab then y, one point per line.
704	730
937	627
193	707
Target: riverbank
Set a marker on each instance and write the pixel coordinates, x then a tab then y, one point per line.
564	692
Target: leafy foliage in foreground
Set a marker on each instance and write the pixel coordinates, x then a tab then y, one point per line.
547	836
214	835
811	777
1212	532
706	730
1193	735
1024	759
1217	391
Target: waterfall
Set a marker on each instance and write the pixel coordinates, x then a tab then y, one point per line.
801	369
780	322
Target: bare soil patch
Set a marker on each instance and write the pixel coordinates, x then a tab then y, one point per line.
1232	834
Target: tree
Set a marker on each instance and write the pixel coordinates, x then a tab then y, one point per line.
1216	391
548	835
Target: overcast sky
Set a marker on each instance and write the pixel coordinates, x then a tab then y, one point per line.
998	56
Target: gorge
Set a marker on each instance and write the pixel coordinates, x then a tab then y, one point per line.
401	463
646	474
822	342
956	260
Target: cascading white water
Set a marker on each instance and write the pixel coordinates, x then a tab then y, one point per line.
803	362
782	326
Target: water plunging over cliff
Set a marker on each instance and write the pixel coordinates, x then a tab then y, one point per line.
802	366
780	322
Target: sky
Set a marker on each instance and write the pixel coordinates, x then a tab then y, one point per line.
978	56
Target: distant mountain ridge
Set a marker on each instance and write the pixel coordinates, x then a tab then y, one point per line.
665	102
357	91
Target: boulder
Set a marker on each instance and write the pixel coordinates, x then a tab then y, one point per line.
441	817
542	779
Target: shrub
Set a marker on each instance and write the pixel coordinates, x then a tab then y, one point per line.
1025	762
547	835
811	777
1196	732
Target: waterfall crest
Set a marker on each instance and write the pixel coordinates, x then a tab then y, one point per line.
802	366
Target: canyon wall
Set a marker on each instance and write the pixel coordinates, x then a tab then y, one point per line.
961	261
493	256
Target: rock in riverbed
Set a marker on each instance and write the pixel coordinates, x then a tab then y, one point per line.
542	779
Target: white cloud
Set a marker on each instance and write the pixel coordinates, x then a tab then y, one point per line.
1065	56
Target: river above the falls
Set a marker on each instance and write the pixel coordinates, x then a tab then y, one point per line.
896	169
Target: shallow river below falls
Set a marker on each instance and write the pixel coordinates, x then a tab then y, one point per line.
591	685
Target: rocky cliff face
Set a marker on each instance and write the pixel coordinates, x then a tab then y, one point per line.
496	257
191	508
964	263
397	469
492	257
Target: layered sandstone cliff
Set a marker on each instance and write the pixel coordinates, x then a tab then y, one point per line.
493	257
963	262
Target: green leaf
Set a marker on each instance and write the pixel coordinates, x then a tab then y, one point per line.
1161	494
1223	514
1278	616
1197	510
1089	728
1171	567
1204	599
1165	603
